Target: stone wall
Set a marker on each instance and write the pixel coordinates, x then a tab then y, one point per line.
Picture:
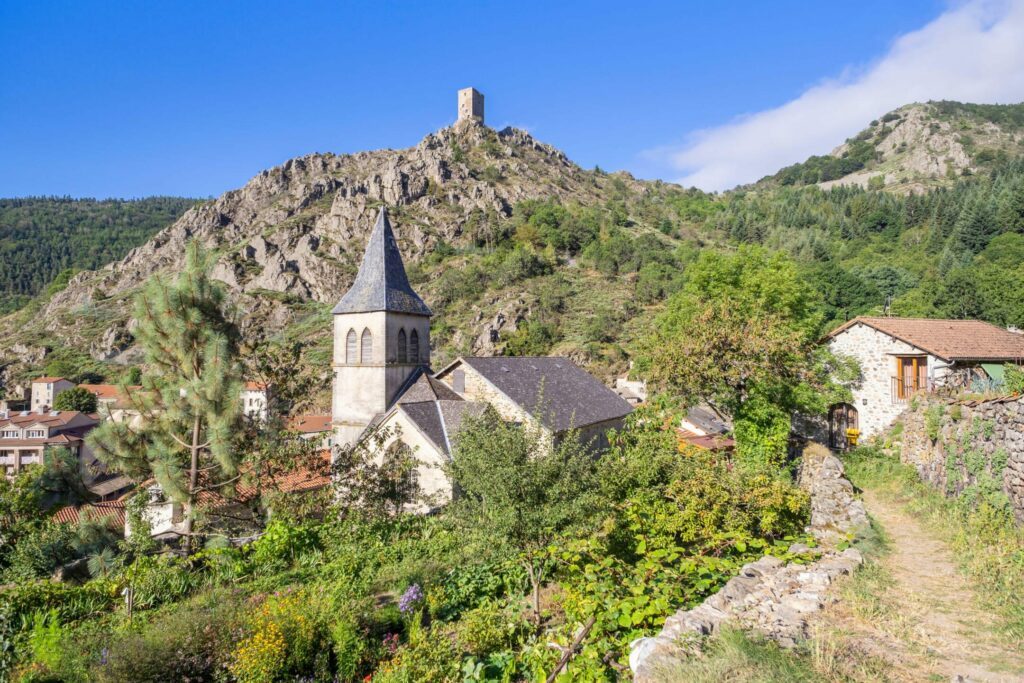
963	446
770	596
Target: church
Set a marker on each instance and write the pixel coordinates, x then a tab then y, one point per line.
383	379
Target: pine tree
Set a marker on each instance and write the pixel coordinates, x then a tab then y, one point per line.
189	399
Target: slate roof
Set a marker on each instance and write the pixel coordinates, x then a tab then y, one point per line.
950	340
566	395
426	388
381	284
440	421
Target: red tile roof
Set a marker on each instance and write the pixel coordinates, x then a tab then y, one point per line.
311	424
61	418
48	380
255	386
113	511
948	339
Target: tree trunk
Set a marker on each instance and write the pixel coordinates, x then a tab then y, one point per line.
193	484
534	575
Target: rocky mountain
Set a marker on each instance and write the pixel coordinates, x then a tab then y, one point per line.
917	147
288	244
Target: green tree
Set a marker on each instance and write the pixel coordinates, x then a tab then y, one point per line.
517	487
741	337
76	398
189	396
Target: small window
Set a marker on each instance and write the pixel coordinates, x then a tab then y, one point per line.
366	348
403	352
459	381
414	346
350	347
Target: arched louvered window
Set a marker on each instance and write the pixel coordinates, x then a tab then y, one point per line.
414	347
403	354
366	348
350	348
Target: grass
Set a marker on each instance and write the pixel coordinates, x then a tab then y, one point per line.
736	656
987	544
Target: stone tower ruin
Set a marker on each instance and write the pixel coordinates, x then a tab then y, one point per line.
471	105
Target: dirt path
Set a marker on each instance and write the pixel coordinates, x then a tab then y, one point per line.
915	614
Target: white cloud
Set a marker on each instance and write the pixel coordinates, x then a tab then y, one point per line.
974	52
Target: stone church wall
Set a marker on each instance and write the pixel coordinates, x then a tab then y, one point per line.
957	446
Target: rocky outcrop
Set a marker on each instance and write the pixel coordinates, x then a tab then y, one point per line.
769	596
294	233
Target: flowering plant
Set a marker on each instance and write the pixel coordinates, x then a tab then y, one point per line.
411	599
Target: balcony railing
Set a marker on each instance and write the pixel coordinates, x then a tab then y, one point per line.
903	389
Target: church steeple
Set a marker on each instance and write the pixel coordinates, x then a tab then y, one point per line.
381	336
381	284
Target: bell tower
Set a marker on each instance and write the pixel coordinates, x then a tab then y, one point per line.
381	336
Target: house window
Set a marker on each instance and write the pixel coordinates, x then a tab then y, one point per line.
350	347
366	348
414	346
403	351
10	434
36	433
911	376
459	381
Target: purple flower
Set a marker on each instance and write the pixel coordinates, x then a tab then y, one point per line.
410	599
103	656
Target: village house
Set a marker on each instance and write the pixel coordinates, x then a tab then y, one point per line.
383	381
25	436
255	398
45	390
314	428
900	357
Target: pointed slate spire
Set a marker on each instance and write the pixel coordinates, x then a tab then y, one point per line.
381	284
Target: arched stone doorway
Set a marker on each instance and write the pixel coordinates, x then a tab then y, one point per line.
841	416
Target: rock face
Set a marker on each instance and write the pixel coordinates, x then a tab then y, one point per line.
958	445
923	145
294	233
769	596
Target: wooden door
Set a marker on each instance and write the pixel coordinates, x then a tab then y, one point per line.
841	416
912	375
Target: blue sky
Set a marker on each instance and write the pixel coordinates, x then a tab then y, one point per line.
132	99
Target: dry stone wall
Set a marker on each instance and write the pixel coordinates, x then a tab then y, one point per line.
967	447
770	596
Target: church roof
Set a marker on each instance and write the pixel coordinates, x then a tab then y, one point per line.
381	284
441	420
426	388
565	395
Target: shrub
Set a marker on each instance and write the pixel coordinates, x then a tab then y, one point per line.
429	655
285	639
351	649
489	629
192	642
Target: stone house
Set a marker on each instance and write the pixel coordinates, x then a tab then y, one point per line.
900	357
45	390
383	381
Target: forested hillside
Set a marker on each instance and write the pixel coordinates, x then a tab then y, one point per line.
42	236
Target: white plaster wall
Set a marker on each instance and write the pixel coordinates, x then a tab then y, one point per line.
876	352
432	480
